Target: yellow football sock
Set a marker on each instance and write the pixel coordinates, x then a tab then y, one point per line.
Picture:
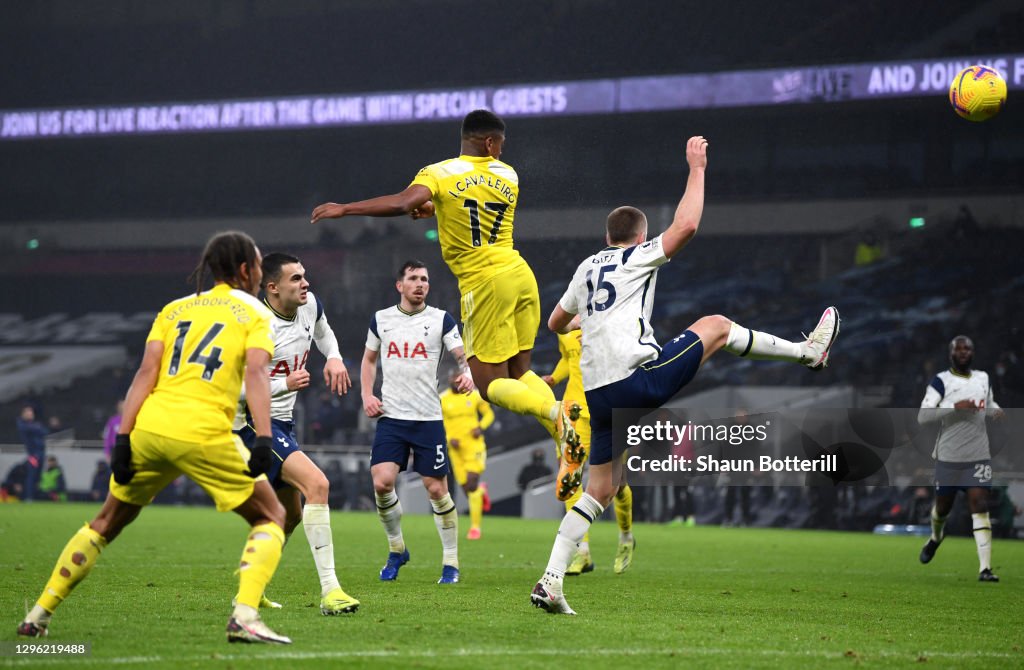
476	507
75	562
517	396
259	561
540	387
573	499
624	509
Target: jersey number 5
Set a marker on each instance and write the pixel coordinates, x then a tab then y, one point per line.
474	219
609	300
211	362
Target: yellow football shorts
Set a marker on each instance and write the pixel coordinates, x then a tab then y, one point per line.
471	456
158	460
501	315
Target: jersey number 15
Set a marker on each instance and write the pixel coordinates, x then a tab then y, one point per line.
609	299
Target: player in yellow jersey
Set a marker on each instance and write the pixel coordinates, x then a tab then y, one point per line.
474	197
466	417
177	420
570	475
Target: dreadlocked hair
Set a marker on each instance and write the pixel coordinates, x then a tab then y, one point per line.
223	257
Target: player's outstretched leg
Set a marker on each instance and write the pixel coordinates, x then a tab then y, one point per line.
813	352
529	394
72	567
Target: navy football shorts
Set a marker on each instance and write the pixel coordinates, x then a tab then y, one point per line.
285	444
425	440
953	477
650	386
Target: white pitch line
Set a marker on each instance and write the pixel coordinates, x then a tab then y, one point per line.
518	652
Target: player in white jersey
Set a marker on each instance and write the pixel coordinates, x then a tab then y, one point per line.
299	320
961	398
610	298
409	339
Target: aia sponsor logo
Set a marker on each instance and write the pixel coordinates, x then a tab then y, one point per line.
405	351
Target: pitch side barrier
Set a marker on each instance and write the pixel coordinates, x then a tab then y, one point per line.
708	90
805	447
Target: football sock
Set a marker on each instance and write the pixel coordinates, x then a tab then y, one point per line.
569	504
983	538
476	507
624	513
584	545
389	509
574	526
316	521
260	557
938	522
517	396
446	518
75	562
761	346
541	388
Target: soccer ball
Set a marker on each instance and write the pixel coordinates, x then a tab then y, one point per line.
977	93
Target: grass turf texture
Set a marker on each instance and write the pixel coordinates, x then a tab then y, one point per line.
708	597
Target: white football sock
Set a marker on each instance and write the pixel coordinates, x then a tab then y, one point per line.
983	538
316	520
446	518
389	509
938	522
574	526
761	346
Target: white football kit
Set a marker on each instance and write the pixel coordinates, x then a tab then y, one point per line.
292	340
963	437
410	346
613	292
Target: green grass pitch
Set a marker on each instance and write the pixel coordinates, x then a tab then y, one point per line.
695	597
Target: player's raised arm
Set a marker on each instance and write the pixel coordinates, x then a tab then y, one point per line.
409	200
691	206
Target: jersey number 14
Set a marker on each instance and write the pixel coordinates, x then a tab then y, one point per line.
211	362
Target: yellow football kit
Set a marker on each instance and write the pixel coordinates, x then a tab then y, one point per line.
475	202
462	413
184	426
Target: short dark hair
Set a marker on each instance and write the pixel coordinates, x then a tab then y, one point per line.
624	224
410	265
223	257
272	264
481	122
